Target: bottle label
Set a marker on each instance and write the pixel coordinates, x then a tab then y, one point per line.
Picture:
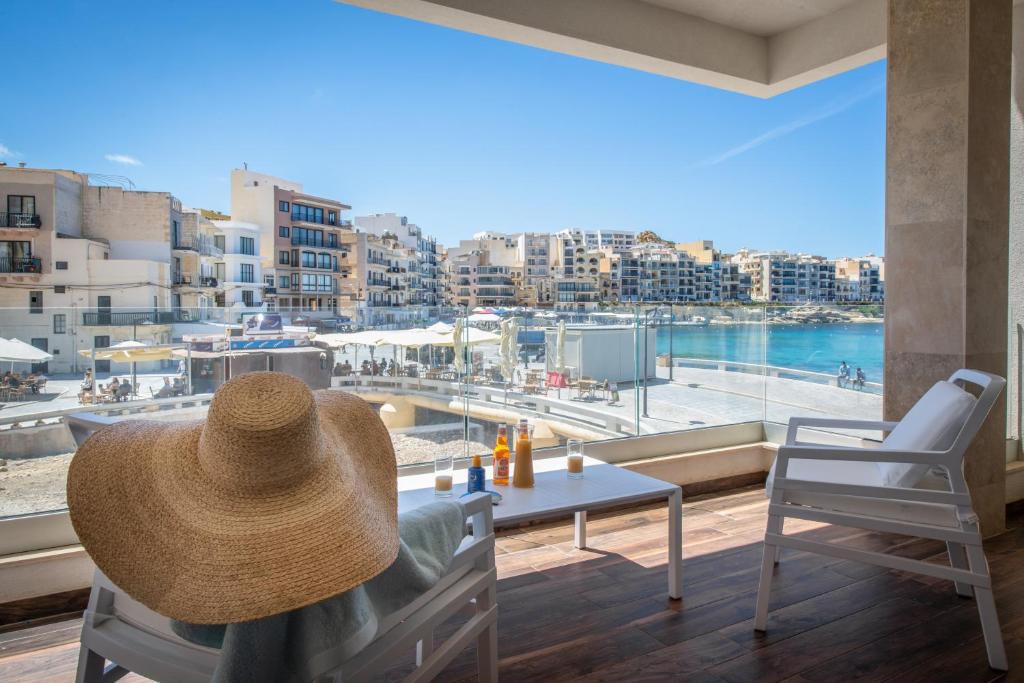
476	479
501	468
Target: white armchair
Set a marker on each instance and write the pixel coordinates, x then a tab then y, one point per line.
130	636
911	484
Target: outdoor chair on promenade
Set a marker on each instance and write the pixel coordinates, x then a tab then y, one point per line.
911	484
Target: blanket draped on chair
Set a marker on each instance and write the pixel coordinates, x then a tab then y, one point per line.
288	646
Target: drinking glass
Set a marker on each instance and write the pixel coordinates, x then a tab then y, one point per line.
444	469
574	458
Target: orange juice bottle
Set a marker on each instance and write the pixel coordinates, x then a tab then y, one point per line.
501	457
523	475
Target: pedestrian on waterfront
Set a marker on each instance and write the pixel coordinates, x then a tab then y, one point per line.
859	379
87	380
844	375
338	372
611	389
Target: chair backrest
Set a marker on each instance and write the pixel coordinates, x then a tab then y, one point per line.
121	630
946	419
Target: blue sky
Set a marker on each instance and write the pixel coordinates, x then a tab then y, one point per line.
461	133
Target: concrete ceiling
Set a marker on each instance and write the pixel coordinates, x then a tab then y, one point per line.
756	47
758	17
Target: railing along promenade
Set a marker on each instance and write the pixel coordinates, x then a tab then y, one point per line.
772	371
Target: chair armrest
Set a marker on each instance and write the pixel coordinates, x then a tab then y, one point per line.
479	508
795	423
816	452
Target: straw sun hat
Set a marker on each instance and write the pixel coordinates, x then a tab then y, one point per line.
281	498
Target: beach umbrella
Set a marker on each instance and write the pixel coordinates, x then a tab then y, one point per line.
484	318
509	348
441	328
17	351
560	348
459	346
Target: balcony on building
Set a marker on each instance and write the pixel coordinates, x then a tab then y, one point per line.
15	264
20	220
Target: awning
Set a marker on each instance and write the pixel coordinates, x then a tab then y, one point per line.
130	352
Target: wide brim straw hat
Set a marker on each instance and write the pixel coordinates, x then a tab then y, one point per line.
279	499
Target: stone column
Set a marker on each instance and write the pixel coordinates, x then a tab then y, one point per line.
947	213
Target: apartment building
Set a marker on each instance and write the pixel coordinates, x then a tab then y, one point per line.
617	241
77	267
423	269
780	277
534	253
576	272
860	279
475	280
303	242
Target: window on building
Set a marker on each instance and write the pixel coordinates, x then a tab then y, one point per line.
219	242
324	261
283	231
21	203
332	217
35	302
246	272
282	258
332	239
282	281
308	259
247	297
60	265
295	281
247	245
60	323
59	289
283	206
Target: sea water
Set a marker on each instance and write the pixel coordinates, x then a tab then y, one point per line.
813	347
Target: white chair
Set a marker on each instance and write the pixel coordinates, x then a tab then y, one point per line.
912	484
133	638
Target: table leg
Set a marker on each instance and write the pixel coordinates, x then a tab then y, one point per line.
580	540
675	544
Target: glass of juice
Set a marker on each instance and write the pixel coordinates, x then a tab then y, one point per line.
444	469
574	458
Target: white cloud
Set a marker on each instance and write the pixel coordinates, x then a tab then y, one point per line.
122	159
831	109
6	151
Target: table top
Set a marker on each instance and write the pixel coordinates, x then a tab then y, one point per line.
553	494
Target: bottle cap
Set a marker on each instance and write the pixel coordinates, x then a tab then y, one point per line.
476	461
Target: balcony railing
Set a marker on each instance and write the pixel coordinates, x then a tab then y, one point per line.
307	241
19	220
20	265
204	247
115	318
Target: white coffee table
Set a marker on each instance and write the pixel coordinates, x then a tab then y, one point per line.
602	486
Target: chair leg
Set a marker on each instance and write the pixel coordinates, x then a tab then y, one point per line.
778	548
90	666
958	560
987	611
487	641
764	587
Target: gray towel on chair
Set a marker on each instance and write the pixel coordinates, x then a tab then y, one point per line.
289	646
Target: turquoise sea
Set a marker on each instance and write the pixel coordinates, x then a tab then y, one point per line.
819	348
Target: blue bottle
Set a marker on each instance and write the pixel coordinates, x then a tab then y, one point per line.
477	476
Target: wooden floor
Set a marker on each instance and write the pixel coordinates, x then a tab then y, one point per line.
603	614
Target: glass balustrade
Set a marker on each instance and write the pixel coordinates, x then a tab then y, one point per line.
611	372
